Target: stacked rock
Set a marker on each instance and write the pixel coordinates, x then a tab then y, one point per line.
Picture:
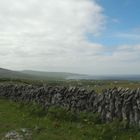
115	103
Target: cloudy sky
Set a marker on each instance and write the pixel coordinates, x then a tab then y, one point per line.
81	36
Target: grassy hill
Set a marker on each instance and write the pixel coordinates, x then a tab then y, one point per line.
50	75
42	75
5	73
35	75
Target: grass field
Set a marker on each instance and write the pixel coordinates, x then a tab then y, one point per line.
59	124
97	85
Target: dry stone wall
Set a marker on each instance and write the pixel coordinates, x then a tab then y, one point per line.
115	103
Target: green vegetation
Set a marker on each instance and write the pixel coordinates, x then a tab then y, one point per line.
97	85
60	124
57	123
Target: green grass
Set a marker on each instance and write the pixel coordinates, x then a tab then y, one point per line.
97	85
59	124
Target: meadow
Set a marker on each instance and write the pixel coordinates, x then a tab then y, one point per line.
58	123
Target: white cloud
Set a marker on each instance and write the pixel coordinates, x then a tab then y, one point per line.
124	60
48	32
131	36
50	35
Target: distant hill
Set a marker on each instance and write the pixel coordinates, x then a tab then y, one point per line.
51	75
42	75
35	75
5	73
